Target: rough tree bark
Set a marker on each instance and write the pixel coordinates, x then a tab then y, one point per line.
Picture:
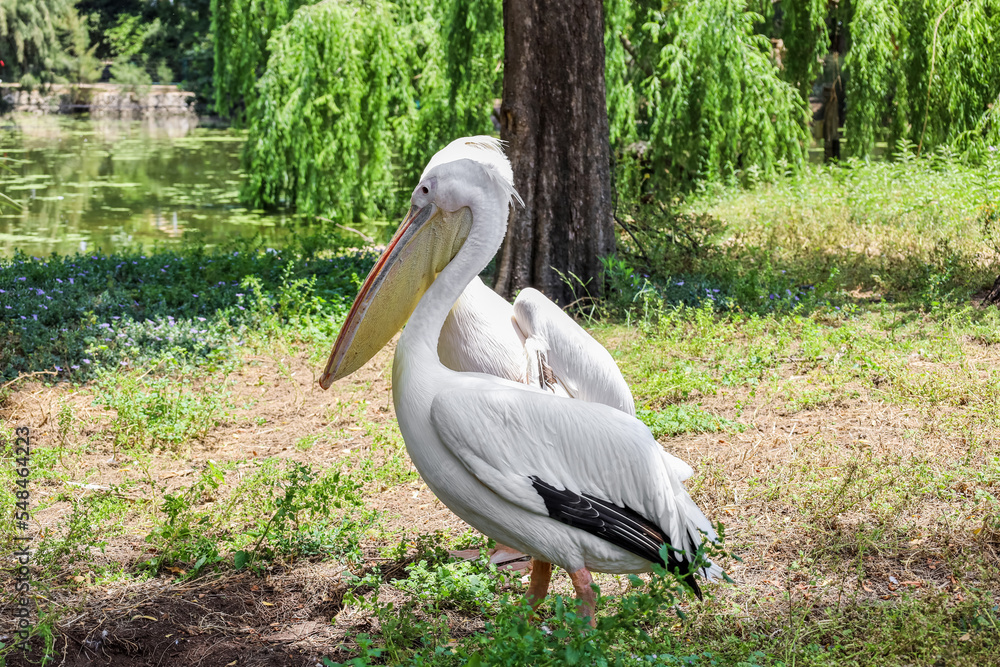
555	120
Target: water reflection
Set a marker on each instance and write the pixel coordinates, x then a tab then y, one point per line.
104	183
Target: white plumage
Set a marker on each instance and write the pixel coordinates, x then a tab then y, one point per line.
581	485
532	342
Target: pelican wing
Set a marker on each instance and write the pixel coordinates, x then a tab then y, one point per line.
587	465
478	337
578	362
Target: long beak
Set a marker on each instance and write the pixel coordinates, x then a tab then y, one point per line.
425	242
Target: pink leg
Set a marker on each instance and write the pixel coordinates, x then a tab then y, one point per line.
582	584
538	588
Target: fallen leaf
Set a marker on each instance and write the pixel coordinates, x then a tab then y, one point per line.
965	637
151	618
267	604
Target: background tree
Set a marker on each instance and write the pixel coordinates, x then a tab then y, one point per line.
554	118
241	29
32	40
357	96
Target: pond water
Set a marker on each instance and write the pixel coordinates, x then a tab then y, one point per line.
88	184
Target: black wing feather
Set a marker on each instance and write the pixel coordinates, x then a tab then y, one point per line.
621	526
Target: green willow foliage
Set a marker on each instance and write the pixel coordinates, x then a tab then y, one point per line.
923	71
619	55
455	60
358	95
472	38
706	95
44	41
966	71
873	74
326	112
805	42
241	29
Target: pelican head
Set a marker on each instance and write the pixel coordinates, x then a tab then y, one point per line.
462	176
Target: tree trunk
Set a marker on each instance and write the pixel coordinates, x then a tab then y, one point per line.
555	118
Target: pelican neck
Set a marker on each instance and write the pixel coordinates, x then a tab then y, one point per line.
489	224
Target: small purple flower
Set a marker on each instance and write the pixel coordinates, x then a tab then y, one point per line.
195	295
201	319
239	294
58	280
680	284
58	369
22	279
86	361
75	367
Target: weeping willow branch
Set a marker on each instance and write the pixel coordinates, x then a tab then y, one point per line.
930	78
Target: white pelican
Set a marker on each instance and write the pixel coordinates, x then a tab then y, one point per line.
581	485
533	342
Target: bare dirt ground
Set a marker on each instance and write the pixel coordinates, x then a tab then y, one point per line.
295	615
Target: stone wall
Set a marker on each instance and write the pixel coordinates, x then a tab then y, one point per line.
101	99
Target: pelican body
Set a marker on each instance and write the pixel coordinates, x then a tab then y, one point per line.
582	485
533	342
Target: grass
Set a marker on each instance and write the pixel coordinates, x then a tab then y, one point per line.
70	315
846	432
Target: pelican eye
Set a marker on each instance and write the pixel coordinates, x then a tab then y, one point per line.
424	189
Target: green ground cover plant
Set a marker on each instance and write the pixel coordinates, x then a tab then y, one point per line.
919	230
72	315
